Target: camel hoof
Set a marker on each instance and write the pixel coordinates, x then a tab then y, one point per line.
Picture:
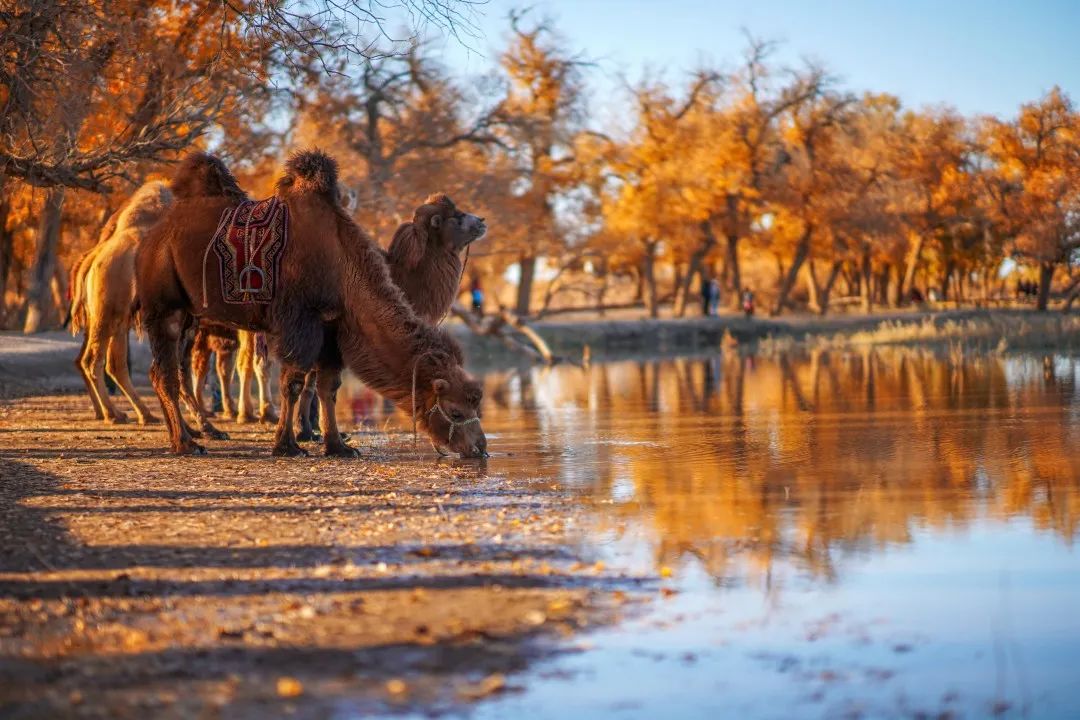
149	420
289	451
269	416
118	419
244	419
305	436
214	434
342	451
191	449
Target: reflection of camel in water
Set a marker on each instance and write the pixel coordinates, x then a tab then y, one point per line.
102	292
335	302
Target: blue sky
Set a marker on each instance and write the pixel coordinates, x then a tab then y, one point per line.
979	57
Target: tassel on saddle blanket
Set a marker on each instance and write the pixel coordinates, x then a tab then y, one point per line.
249	241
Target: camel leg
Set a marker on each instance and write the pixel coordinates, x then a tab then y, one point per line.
328	380
224	372
267	412
117	366
245	371
94	366
188	396
164	335
81	364
307	395
292	380
200	368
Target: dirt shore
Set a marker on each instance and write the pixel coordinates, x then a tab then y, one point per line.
135	584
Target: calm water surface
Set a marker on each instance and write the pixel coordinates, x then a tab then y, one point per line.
881	533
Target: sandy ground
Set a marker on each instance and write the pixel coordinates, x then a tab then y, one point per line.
137	584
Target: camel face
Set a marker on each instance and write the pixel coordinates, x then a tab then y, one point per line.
453	417
461	229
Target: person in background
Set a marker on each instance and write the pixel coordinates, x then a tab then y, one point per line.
477	294
748	301
714	296
706	296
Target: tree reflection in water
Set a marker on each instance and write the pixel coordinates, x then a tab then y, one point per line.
737	462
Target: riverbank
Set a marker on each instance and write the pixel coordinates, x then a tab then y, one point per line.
987	329
43	363
138	584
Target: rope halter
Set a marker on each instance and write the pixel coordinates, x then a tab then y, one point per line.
454	424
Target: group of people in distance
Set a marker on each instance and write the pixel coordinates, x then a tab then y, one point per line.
710	298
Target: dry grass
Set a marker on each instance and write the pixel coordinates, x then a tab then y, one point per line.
997	332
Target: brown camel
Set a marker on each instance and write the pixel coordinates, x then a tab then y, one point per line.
203	175
425	262
425	255
334	285
101	302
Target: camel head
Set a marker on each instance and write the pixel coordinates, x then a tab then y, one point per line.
438	224
448	409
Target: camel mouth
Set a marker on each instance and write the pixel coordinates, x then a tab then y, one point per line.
477	233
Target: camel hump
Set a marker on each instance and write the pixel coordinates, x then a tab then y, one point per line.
146	206
204	175
311	170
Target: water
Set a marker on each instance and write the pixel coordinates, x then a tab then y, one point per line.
881	533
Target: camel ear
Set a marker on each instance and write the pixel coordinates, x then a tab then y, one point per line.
407	247
436	221
439	386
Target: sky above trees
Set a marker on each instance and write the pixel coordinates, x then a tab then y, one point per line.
979	57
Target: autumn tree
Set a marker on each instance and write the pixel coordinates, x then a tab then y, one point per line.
1036	183
541	112
397	124
92	91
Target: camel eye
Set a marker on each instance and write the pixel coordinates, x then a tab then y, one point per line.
456	416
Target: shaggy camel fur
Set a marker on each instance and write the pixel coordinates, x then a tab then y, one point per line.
101	302
334	285
425	255
425	262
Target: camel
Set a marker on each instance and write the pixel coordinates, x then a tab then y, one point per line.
101	302
335	304
425	262
248	351
425	255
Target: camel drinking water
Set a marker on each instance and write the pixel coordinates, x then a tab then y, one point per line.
333	282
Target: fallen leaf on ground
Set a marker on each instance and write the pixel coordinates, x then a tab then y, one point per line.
288	687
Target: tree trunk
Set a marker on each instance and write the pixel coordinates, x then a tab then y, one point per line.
648	277
802	250
527	264
696	266
1046	276
731	264
866	283
7	248
826	290
812	287
1071	293
912	266
946	275
678	298
39	306
898	290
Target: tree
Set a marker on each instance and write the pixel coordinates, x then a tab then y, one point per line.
539	117
1036	183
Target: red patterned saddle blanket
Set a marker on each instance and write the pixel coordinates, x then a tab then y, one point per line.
249	241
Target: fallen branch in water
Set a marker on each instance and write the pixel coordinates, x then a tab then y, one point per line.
503	325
